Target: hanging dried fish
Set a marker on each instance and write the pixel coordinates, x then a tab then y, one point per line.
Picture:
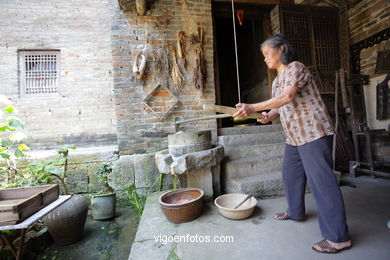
181	47
139	66
177	76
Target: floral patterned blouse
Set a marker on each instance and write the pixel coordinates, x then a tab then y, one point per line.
305	119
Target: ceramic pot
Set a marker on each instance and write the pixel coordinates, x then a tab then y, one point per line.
66	223
103	206
182	205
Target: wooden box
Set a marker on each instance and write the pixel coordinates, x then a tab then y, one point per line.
17	204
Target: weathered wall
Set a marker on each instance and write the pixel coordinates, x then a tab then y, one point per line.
139	131
365	19
83	113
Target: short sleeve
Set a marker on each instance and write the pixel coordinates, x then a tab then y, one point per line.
274	83
296	74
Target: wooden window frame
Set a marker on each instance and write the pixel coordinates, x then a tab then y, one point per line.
31	68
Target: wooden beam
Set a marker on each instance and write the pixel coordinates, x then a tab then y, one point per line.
259	2
230	111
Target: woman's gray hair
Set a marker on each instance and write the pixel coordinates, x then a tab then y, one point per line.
276	42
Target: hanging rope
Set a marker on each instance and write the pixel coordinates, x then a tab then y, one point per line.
235	48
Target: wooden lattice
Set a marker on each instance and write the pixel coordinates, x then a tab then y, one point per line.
296	29
313	32
39	72
326	43
160	101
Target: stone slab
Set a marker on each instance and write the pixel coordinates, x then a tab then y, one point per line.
261	237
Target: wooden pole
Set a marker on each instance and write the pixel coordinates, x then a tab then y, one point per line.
203	118
336	127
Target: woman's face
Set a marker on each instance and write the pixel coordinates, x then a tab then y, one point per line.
272	56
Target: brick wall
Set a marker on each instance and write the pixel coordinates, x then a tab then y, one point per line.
84	112
365	19
139	131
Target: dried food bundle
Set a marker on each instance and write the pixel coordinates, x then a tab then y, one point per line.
199	73
139	66
177	76
181	47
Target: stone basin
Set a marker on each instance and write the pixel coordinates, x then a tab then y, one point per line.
202	168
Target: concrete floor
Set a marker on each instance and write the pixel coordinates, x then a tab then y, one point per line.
103	240
261	237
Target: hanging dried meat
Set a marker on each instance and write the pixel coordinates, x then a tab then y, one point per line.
181	47
139	66
199	73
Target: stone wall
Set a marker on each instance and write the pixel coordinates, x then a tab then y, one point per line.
83	112
139	131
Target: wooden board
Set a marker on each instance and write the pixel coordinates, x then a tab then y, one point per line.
230	111
17	204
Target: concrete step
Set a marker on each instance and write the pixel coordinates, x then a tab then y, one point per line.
249	129
252	139
252	166
260	186
260	151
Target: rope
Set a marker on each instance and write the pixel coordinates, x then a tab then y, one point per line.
235	48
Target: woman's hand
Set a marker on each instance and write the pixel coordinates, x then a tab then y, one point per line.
243	110
264	120
270	116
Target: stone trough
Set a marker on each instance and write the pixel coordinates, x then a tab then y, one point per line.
191	156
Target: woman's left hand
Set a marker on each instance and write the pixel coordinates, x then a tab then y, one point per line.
243	110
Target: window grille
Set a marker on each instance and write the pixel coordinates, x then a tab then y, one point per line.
297	30
39	72
314	34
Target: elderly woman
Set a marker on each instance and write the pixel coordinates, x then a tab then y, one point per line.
306	123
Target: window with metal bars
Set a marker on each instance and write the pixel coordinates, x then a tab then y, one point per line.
39	72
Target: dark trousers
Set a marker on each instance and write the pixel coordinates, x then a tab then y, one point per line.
313	162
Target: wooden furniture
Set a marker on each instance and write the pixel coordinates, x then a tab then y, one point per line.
24	225
369	163
17	204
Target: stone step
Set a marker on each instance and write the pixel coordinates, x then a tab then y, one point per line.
252	166
249	129
260	151
252	139
260	186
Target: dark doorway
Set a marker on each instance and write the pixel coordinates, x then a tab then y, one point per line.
252	69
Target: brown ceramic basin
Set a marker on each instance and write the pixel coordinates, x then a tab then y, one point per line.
182	205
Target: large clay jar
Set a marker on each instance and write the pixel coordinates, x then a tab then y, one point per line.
66	223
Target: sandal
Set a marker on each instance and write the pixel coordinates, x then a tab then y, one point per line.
327	248
281	216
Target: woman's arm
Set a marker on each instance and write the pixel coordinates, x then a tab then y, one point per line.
287	96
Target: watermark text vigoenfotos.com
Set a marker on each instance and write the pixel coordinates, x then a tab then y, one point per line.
165	239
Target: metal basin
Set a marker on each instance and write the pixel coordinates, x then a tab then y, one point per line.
182	205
